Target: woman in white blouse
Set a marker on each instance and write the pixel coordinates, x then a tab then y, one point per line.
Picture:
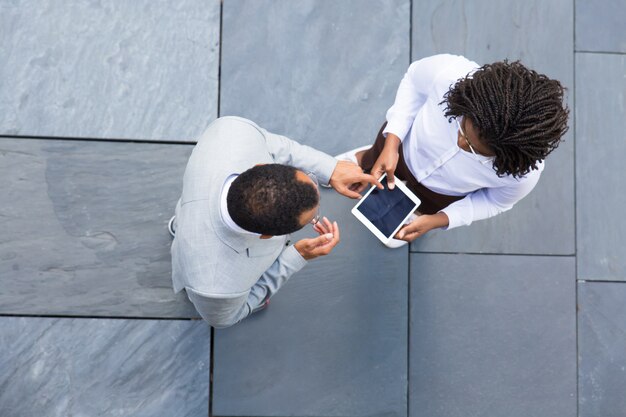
469	141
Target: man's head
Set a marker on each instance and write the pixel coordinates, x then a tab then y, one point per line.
272	200
517	115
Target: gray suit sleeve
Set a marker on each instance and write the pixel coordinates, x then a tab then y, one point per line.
224	311
288	152
220	312
288	263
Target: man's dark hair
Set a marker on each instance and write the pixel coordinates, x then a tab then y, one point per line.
517	112
269	199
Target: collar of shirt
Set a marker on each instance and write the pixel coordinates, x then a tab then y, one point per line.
224	208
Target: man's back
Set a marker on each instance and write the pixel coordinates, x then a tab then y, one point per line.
226	273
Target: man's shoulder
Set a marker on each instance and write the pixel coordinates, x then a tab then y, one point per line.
217	270
198	259
228	145
234	127
206	260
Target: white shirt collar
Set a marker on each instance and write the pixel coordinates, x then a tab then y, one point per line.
224	208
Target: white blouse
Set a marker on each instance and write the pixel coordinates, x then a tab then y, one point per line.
431	152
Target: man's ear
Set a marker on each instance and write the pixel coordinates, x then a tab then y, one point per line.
266	237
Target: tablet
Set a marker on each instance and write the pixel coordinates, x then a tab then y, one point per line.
384	212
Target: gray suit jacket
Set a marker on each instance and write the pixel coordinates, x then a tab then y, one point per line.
226	274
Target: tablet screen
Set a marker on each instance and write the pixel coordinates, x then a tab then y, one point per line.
386	209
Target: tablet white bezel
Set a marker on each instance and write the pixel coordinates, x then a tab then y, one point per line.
370	225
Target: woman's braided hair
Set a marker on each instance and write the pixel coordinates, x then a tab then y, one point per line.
518	113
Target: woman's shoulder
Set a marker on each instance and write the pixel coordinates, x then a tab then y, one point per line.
531	176
437	73
455	66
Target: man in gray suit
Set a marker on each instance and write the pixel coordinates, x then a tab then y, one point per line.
244	190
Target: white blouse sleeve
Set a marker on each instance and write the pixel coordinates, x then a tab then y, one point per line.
413	92
488	202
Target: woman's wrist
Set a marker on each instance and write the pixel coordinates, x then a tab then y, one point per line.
439	220
392	141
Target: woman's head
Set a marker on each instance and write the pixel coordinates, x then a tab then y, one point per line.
518	114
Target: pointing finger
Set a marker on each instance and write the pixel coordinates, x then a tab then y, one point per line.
349	193
371	179
390	179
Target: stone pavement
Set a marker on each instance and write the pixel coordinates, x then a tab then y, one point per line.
100	103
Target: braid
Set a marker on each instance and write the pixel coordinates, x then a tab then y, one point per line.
518	113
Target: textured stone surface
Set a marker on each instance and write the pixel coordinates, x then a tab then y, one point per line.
601	353
86	367
600	26
537	32
109	69
321	72
84	228
487	31
333	341
492	336
600	149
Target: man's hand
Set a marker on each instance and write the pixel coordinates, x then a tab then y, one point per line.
388	159
349	179
322	245
422	225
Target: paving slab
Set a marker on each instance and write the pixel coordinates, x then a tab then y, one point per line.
109	69
321	72
600	26
84	228
487	31
537	32
333	341
601	353
600	149
96	367
492	336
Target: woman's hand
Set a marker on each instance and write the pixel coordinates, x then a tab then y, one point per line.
422	225
388	159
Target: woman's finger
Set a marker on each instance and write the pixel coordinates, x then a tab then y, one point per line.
390	178
408	229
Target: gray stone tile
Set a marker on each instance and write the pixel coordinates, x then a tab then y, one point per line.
109	69
321	72
492	336
601	353
600	148
333	341
600	26
538	33
84	228
95	367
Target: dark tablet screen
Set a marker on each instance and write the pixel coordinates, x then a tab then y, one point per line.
386	209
